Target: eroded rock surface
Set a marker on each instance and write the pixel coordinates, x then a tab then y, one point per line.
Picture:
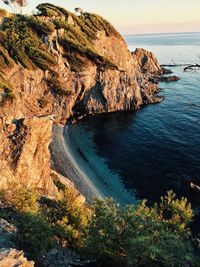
10	257
24	153
7	232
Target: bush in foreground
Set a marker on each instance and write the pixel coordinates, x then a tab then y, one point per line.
141	236
110	235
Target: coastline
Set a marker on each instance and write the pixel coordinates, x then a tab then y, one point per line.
68	160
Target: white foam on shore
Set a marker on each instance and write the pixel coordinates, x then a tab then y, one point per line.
92	171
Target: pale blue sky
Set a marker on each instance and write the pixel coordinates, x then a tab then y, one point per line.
138	16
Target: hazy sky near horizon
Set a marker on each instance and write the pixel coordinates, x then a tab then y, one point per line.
137	16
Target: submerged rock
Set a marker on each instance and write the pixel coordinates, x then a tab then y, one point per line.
168	78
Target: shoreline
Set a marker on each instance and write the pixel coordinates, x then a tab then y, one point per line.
68	160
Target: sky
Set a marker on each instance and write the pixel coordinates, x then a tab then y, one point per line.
136	16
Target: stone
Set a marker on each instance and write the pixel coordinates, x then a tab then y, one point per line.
62	257
10	257
7	232
24	153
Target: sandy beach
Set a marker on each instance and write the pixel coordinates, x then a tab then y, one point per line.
68	160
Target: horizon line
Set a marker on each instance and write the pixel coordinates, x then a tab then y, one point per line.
157	33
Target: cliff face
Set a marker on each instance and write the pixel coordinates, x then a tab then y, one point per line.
24	152
25	136
94	90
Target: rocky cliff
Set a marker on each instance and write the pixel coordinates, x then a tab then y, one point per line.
24	153
91	74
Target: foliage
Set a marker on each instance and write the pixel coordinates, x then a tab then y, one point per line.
5	60
9	94
21	208
141	236
35	234
77	40
55	84
19	198
24	46
67	215
78	51
98	23
40	220
40	26
43	102
60	23
48	9
132	236
20	40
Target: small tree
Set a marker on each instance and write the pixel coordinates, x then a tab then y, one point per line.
15	5
20	199
79	10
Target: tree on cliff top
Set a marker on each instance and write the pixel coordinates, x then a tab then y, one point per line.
15	5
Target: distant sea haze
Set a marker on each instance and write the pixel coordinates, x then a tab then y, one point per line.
157	147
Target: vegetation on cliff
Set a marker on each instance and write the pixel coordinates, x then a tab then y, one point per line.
20	42
24	45
40	220
110	235
79	34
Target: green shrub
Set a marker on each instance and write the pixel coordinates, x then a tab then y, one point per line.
40	26
20	40
77	63
141	236
3	37
43	102
77	40
48	10
35	235
55	85
24	46
9	94
5	60
67	215
60	24
19	199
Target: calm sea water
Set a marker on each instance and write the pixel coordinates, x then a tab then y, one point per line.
156	148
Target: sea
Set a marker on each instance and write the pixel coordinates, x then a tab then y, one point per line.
156	148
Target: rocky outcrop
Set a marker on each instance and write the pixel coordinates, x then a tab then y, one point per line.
24	152
7	232
62	257
172	78
10	257
147	61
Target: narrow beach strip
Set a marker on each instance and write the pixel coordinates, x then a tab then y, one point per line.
69	160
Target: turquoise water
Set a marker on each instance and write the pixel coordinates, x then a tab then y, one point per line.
156	148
